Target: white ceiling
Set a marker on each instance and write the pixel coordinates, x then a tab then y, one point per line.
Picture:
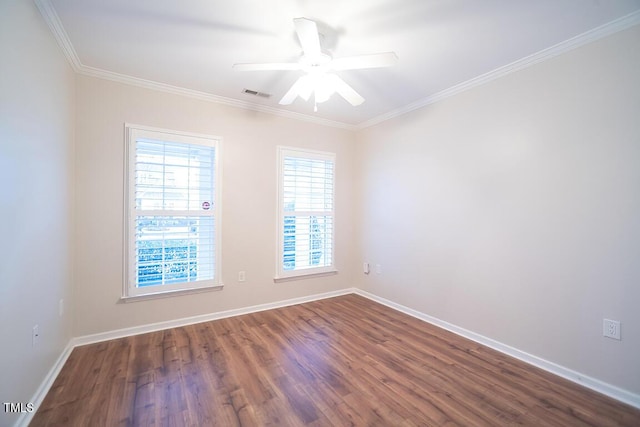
192	44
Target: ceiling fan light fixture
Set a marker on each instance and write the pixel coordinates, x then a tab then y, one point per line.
306	87
323	87
318	66
318	84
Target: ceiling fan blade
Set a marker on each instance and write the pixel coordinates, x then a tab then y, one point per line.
306	88
346	91
307	31
300	87
277	66
375	60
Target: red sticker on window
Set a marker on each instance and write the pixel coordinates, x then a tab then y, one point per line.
206	205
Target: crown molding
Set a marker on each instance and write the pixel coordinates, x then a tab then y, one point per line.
53	21
204	96
50	16
597	33
55	25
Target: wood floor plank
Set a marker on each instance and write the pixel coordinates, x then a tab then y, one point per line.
344	361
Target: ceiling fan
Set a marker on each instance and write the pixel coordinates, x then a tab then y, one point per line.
320	79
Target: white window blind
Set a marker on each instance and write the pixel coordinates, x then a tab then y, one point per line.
306	220
173	211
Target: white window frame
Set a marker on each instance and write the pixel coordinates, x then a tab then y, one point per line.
129	290
281	273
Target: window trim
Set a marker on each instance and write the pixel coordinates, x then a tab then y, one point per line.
282	275
129	290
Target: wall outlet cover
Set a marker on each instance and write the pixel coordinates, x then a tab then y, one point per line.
611	328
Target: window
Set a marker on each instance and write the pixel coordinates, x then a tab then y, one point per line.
172	211
306	212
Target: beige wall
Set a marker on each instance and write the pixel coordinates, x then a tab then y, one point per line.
513	209
248	202
36	144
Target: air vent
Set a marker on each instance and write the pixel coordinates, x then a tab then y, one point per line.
256	93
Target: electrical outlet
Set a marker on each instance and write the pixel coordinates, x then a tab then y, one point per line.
242	276
35	335
378	269
60	307
611	329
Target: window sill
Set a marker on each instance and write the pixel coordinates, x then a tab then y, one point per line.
302	276
167	294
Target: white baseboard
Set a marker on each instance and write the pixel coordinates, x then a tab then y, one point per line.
569	374
25	418
584	380
143	329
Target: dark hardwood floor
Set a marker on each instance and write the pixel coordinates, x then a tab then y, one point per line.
334	362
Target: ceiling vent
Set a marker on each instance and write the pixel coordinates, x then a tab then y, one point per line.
256	93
